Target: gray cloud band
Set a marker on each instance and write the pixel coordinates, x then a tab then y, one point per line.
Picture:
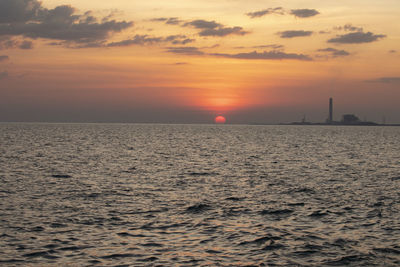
29	19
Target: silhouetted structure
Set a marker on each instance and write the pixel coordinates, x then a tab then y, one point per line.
350	119
347	119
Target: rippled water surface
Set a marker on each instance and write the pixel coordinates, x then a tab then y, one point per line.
190	195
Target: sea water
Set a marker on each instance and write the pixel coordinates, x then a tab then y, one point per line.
199	195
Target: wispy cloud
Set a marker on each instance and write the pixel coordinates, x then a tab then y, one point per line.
271	55
273	46
185	50
267	46
292	34
324	32
179	39
3	75
170	21
356	38
268	11
203	24
390	80
300	13
26	45
266	55
149	40
304	13
7	42
213	28
349	27
4	58
180	63
223	31
334	52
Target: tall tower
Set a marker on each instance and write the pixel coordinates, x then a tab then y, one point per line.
330	120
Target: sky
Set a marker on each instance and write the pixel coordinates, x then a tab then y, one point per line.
188	61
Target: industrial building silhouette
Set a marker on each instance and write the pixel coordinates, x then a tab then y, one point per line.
347	119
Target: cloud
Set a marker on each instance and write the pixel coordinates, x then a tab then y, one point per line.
26	45
146	40
212	46
334	52
270	46
356	38
30	19
324	32
212	28
8	43
19	11
3	75
4	58
203	24
271	55
223	31
169	21
192	51
261	13
390	80
349	27
137	40
180	63
273	46
292	34
178	39
304	13
300	13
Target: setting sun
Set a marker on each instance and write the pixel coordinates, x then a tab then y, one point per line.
220	119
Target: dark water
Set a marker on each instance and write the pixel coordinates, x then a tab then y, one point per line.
190	195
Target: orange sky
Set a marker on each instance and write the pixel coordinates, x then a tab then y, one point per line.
188	61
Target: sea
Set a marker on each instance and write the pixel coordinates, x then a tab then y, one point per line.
199	195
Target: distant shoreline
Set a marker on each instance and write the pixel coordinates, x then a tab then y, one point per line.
249	123
340	124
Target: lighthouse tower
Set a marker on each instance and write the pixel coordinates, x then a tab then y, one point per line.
330	119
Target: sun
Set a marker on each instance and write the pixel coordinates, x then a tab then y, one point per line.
220	119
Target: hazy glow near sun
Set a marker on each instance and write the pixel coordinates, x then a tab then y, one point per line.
220	119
